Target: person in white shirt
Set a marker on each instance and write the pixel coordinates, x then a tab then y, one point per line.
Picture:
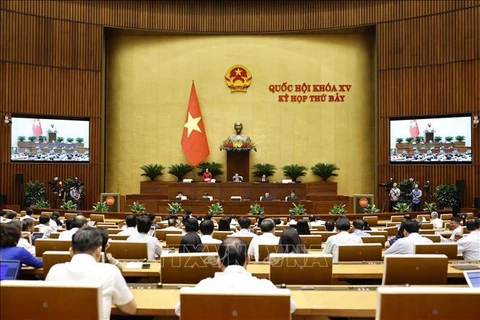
358	226
406	245
314	222
268	237
469	245
457	228
435	221
233	260
131	223
44	226
342	237
244	223
143	227
27	227
53	220
28	215
206	230
78	222
172	225
86	252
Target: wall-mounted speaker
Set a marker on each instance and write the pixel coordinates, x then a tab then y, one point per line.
3	199
19	178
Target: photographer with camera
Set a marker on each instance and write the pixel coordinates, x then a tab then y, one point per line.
394	196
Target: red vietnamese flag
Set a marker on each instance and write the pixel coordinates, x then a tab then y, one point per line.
37	127
194	138
414	132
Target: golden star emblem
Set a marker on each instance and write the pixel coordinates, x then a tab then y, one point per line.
192	124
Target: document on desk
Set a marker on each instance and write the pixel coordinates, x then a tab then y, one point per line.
133	265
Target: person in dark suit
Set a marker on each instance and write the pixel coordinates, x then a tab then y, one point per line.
292	196
264	179
266	197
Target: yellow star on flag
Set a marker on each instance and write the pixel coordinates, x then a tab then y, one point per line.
192	124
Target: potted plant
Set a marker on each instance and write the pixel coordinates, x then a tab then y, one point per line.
79	140
256	209
32	138
438	139
399	140
70	140
294	171
42	138
68	205
460	138
338	209
34	192
215	209
100	206
298	209
418	139
448	139
179	170
409	139
214	168
325	170
401	207
60	139
174	208
370	208
447	195
21	138
429	207
260	169
152	171
137	207
42	204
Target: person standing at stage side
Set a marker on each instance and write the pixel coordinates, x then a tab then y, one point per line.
394	196
416	198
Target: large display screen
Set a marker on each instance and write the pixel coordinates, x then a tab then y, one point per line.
445	139
50	139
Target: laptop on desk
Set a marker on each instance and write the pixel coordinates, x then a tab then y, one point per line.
9	269
473	278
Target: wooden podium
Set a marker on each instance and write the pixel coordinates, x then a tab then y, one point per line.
238	161
429	137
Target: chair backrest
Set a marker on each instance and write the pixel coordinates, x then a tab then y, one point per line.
97	217
360	252
469	215
372	220
426	225
374	239
396	219
173	240
113	230
70	215
282	227
51	258
325	234
188	268
380	233
247	239
448	249
301	269
425	269
278	233
433	237
122	249
240	306
430	303
210	247
161	234
54	235
313	241
32	299
426	216
319	228
446	216
391	231
264	251
426	231
392	224
118	236
42	245
221	235
46	213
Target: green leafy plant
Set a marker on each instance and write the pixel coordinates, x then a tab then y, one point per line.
174	208
179	170
152	171
261	169
34	192
215	208
418	139
214	168
60	139
42	204
21	138
447	195
294	171
325	170
432	206
68	205
460	138
70	140
370	208
256	209
448	138
409	139
137	207
405	187
298	209
42	138
399	140
32	138
338	209
438	139
401	207
100	206
79	140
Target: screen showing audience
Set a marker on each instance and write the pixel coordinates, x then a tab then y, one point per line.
431	140
50	140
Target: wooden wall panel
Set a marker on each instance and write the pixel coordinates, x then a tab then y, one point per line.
51	60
